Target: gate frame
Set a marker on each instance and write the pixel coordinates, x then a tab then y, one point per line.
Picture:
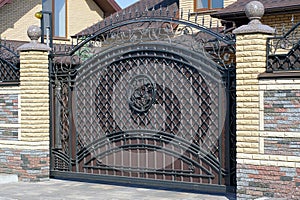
228	68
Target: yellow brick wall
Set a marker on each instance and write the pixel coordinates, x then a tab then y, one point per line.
280	21
82	14
34	103
251	59
19	15
34	85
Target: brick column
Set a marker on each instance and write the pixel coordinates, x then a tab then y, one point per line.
251	61
33	141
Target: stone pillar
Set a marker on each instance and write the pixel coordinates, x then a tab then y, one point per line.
33	140
251	61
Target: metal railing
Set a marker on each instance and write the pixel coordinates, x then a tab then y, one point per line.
9	63
283	52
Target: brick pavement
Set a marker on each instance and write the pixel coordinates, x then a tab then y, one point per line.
65	190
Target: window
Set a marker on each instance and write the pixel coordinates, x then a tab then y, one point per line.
59	16
208	4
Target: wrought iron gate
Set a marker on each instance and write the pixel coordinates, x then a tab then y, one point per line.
147	101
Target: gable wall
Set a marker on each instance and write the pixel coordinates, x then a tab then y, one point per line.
82	14
17	17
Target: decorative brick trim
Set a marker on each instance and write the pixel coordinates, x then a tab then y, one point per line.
29	165
256	181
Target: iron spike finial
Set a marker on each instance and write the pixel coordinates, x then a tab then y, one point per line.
160	10
136	11
66	47
189	15
153	11
146	10
129	12
175	11
167	11
117	17
181	14
283	29
123	15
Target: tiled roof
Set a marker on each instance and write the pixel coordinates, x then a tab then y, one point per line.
3	2
139	6
271	6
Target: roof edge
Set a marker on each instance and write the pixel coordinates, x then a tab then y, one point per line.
3	2
115	5
268	11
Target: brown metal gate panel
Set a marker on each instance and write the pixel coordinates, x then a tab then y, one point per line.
150	115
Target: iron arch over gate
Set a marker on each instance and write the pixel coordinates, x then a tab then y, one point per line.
148	101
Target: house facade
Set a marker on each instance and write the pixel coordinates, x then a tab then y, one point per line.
69	17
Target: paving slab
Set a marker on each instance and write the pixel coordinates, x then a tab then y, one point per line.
64	190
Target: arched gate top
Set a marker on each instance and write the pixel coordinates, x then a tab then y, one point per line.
163	26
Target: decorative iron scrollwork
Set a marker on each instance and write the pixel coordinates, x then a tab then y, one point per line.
142	93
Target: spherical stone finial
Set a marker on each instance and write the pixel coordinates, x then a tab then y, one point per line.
34	33
254	10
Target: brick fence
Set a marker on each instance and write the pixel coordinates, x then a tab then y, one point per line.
25	140
267	121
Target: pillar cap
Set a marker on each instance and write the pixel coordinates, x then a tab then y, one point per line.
34	33
254	10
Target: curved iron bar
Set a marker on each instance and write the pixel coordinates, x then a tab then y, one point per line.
151	170
220	47
155	148
152	135
226	39
62	157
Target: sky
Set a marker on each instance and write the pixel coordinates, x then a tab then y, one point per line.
125	3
